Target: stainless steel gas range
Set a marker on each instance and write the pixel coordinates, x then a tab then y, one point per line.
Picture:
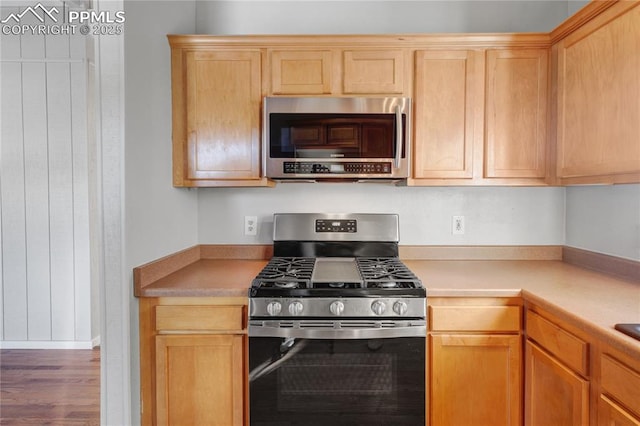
337	326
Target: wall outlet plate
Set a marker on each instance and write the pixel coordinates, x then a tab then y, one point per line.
457	225
251	225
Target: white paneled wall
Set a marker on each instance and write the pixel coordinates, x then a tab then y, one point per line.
44	192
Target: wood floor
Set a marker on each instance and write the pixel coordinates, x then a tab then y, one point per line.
50	387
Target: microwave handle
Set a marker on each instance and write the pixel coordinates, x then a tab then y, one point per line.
399	137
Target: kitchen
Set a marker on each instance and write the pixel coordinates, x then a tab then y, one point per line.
159	220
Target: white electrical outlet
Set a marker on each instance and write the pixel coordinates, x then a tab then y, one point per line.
251	225
457	225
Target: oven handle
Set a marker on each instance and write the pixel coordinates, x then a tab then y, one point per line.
399	137
336	330
287	350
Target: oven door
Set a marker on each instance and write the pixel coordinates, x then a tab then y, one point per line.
336	373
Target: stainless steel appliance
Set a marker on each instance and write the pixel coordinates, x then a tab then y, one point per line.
337	326
336	138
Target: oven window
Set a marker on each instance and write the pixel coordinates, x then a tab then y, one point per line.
296	135
308	382
338	374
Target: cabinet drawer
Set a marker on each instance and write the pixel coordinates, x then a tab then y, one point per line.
565	346
199	317
621	383
475	318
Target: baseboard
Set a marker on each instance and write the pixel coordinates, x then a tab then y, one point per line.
47	344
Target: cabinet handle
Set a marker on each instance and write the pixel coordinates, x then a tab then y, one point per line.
399	137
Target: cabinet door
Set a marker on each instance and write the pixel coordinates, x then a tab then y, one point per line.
475	380
611	414
554	394
301	72
199	380
516	113
373	72
445	87
223	114
598	92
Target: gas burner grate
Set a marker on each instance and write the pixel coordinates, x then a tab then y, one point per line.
286	272
386	272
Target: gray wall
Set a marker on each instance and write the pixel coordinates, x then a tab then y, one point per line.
159	219
605	219
374	17
493	216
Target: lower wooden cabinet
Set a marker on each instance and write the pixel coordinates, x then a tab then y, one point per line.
555	395
556	374
474	362
475	379
193	365
199	380
619	402
612	414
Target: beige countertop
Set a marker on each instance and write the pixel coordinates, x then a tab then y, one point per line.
590	299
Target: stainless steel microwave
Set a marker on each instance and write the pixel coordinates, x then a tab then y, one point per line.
336	138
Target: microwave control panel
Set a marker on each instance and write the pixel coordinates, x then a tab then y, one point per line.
292	167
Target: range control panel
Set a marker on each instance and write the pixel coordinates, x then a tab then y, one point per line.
336	225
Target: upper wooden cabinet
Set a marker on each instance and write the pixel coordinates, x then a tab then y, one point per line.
446	107
516	113
490	109
301	72
481	116
373	72
598	98
327	70
216	116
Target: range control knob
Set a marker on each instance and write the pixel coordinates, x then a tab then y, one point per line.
274	308
295	308
336	308
400	307
378	307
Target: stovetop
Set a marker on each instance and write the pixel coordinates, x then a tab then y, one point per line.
335	276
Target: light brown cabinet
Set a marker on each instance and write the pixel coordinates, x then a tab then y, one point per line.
555	395
557	371
216	97
511	109
379	72
619	403
481	117
199	379
301	72
474	362
327	70
446	107
598	87
516	113
192	361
